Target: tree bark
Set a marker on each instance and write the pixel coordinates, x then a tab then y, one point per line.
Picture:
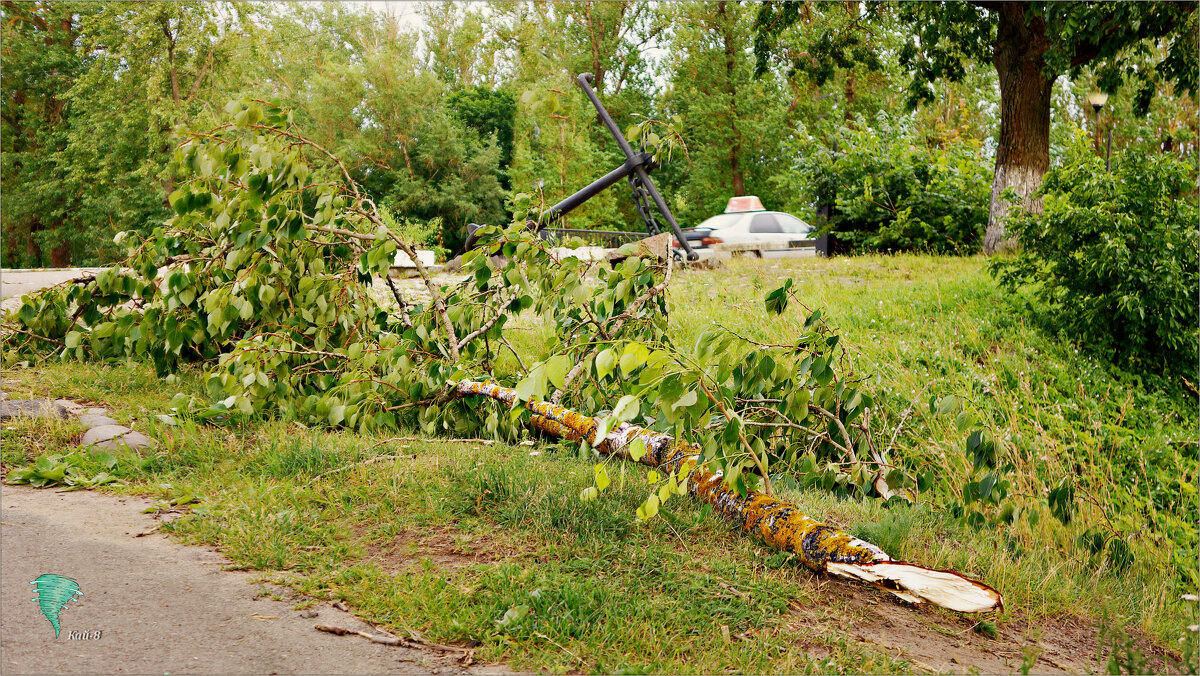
166	29
60	256
1023	151
33	250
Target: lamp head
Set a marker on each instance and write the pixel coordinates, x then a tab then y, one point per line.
1097	100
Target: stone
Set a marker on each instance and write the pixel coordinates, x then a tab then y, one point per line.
94	411
403	260
658	246
115	436
91	420
31	408
69	406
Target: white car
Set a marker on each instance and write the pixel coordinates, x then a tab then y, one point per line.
747	229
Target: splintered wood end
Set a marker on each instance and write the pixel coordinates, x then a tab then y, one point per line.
917	584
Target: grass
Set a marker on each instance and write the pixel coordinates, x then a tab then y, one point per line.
448	537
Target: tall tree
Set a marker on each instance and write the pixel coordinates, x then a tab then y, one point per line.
457	48
734	123
161	65
40	62
373	99
1031	44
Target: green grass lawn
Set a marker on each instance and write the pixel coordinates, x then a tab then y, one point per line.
448	537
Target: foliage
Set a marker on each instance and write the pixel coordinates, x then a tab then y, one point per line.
63	470
40	65
891	190
388	118
489	113
1113	257
734	120
948	33
926	325
412	113
262	274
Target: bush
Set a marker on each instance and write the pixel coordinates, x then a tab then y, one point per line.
891	190
1114	256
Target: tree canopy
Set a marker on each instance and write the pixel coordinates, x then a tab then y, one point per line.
441	119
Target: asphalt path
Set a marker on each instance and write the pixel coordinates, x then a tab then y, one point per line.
150	605
15	282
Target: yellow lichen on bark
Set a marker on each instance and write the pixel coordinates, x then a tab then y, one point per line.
777	523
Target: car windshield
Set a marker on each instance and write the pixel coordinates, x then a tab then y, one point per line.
721	221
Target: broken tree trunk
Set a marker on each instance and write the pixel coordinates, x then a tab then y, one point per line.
779	524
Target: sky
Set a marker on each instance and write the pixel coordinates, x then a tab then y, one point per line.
404	10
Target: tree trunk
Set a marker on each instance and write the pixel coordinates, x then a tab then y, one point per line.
60	256
33	250
1023	151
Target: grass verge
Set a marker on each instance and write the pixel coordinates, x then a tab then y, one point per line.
489	544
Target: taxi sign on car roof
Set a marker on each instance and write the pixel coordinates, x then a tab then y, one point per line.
744	203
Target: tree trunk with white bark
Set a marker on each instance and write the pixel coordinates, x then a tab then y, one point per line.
1023	151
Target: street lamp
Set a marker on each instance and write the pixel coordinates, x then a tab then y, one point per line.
1097	101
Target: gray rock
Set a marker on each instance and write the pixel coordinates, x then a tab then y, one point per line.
69	406
91	420
115	436
31	408
94	411
104	433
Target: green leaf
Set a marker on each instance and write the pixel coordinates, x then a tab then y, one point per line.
1062	500
602	480
947	404
686	400
628	363
557	368
637	449
627	408
648	509
604	363
531	384
513	617
776	301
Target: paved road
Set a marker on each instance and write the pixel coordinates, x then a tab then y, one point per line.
157	606
15	282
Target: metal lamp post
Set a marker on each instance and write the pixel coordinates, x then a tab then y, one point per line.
1097	101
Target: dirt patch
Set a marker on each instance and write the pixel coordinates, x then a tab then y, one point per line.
940	641
445	548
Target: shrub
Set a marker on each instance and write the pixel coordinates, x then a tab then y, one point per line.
1114	256
891	190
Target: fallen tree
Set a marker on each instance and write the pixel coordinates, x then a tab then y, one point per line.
782	525
264	276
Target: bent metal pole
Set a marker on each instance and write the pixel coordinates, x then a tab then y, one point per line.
779	524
